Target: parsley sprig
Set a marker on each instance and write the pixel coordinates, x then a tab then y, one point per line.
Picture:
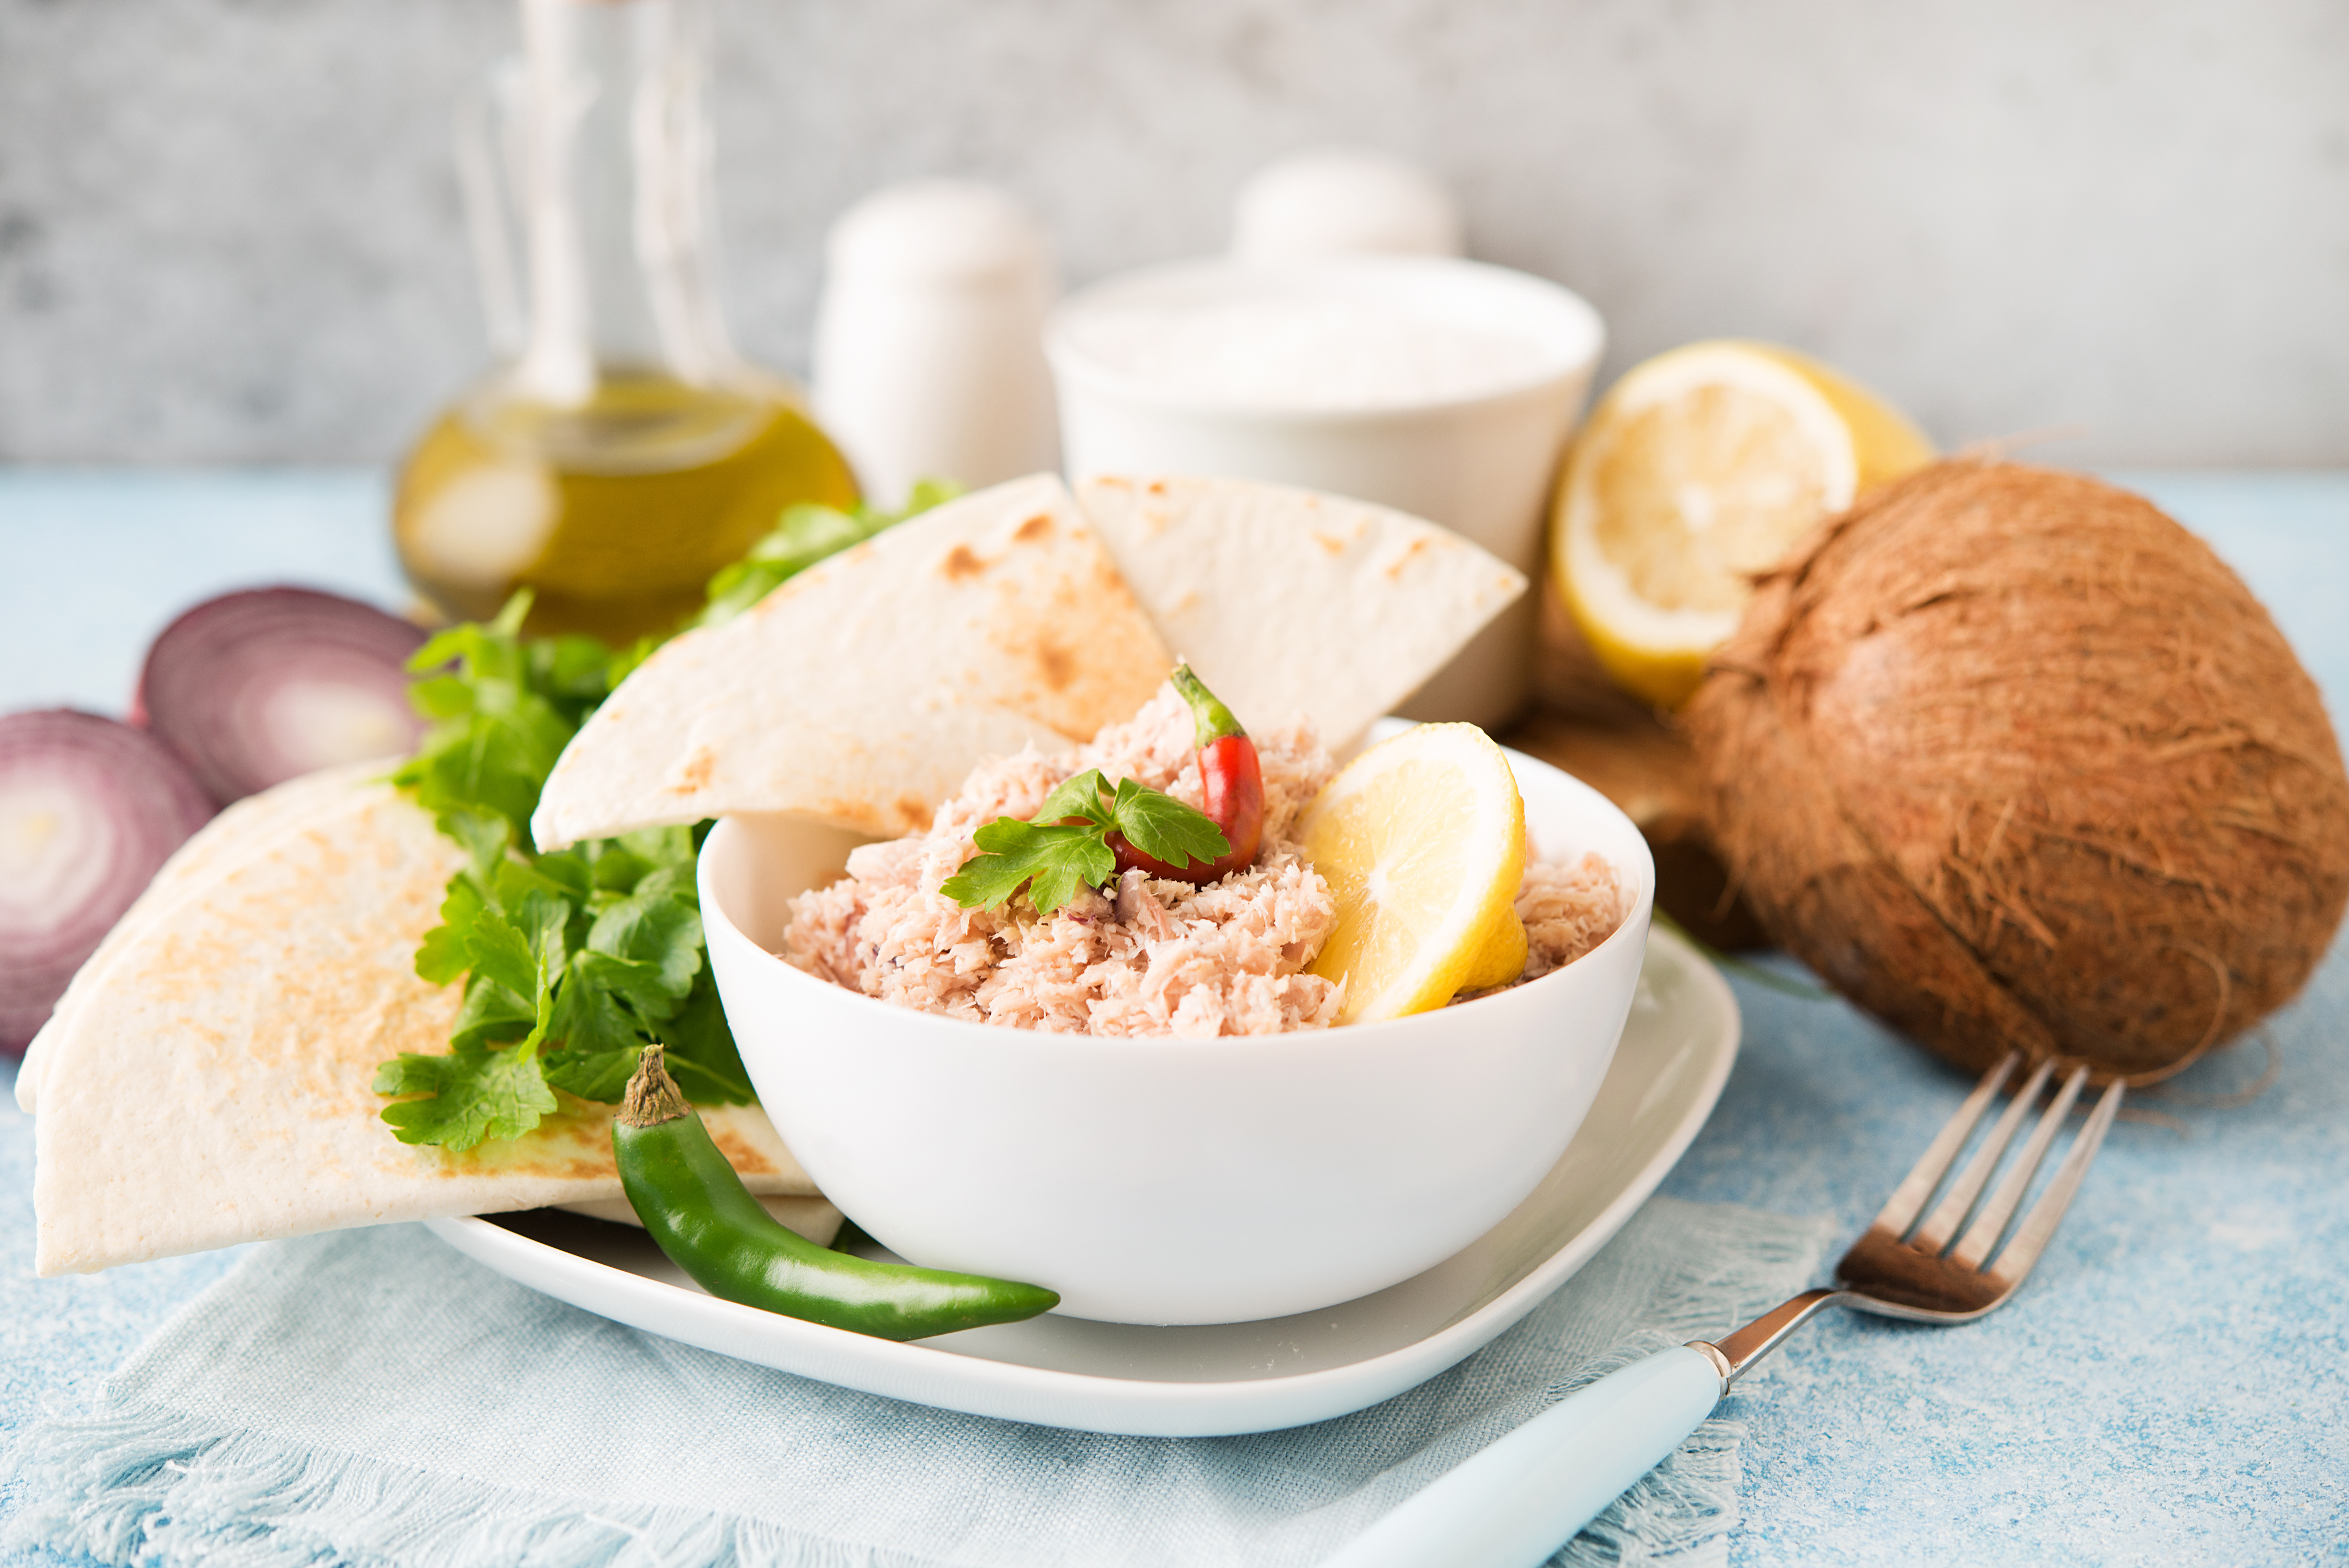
572	961
1068	843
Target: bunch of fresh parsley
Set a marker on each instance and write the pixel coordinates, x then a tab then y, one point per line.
1067	843
572	961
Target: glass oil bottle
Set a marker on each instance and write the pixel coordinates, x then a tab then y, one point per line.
623	451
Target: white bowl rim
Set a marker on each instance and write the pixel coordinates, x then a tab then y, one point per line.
1070	359
946	1030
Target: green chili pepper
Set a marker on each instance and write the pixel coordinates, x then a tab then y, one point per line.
702	1216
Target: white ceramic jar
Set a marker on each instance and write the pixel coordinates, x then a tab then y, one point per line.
928	360
1439	387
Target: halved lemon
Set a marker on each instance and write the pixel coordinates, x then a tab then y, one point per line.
1695	473
1423	840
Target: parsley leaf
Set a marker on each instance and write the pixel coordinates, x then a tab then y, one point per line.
442	957
501	954
657	935
571	962
475	1094
476	1091
701	1052
501	717
1049	861
1067	843
1165	829
1079	797
601	1075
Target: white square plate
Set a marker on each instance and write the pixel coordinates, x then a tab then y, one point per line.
1668	1072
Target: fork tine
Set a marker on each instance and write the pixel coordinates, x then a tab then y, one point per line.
1951	1212
2031	1235
1990	1221
1908	1200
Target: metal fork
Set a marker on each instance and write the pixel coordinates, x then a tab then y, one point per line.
1519	1500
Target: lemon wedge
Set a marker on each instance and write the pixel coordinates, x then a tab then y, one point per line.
1500	954
1422	841
1695	473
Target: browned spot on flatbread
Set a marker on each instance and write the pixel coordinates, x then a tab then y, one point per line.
1058	664
913	808
315	994
1036	528
745	1159
961	563
1405	556
571	1143
1335	546
695	774
863	816
520	1164
1055	664
1157	487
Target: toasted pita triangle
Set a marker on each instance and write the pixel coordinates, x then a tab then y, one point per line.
1288	601
863	689
215	1085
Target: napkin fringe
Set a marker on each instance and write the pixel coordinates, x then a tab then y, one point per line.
160	1489
1681	1511
1689	1300
173	1467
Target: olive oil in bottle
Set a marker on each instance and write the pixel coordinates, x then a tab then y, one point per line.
625	453
615	514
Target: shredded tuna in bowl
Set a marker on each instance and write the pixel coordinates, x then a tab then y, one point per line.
1163	1177
1144	955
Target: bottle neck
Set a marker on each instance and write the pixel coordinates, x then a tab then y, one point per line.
615	153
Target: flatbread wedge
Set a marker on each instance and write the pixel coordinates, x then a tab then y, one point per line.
863	689
1288	601
240	829
216	1084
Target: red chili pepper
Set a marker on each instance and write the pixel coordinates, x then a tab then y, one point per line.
1229	778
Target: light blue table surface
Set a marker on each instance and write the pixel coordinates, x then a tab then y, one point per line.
2172	1385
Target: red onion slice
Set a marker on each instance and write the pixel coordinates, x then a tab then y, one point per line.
258	687
89	810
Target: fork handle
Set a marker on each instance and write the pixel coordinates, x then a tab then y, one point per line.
1523	1497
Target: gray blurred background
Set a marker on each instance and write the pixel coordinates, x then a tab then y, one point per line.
229	229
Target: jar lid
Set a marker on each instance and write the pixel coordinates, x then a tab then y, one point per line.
939	232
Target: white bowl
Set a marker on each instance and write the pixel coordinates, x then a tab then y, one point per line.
1478	459
1169	1180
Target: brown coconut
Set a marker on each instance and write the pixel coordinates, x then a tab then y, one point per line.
2010	758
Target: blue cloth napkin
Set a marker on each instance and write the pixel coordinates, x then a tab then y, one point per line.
371	1397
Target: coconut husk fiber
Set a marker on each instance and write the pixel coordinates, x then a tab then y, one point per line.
2011	759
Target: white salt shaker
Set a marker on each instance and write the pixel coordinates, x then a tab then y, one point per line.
930	357
1343	202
